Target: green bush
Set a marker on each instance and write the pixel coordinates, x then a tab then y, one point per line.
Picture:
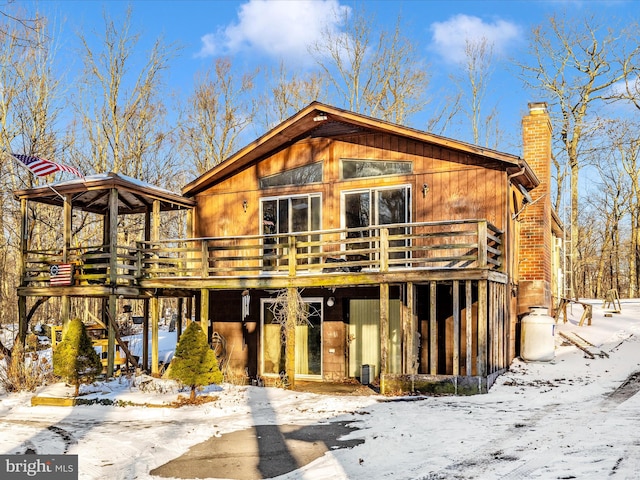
74	359
194	363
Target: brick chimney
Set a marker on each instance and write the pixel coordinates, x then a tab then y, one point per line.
534	284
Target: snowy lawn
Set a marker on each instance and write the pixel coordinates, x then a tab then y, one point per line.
548	420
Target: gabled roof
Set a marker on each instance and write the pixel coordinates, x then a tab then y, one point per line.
321	120
91	194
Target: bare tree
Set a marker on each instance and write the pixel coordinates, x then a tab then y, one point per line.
622	151
577	63
120	109
381	76
30	101
289	93
219	109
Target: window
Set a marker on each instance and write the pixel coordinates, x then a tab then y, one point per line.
296	176
371	207
282	215
373	168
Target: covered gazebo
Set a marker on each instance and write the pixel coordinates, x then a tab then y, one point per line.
110	270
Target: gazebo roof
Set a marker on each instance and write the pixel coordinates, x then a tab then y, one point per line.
91	194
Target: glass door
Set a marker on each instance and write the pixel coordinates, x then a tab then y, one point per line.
308	351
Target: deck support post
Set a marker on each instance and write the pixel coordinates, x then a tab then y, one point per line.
155	320
179	318
22	314
111	222
409	331
204	311
290	335
145	335
111	331
481	360
456	328
65	304
433	329
22	301
384	334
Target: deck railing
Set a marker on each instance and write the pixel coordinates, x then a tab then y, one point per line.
91	265
432	245
459	244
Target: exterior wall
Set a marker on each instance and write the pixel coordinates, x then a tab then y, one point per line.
455	190
536	237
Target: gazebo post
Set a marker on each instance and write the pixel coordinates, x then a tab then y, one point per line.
22	300
65	307
112	221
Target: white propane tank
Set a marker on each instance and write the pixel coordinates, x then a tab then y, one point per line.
537	336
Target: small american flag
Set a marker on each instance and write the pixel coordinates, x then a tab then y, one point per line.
42	167
61	274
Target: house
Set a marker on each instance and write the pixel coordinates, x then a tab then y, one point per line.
413	254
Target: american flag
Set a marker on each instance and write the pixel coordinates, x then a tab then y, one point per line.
61	274
42	167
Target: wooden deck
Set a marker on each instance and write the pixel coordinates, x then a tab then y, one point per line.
396	253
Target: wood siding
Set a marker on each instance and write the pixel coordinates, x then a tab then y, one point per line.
456	190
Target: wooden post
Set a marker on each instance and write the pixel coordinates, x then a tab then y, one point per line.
204	311
65	308
469	323
290	336
111	341
179	318
155	319
22	268
482	243
113	236
409	331
481	360
145	335
113	277
384	334
433	330
384	250
204	266
456	328
292	256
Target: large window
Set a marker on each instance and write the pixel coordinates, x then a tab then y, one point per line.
296	176
372	207
352	168
282	215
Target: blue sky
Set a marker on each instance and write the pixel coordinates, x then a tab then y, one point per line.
263	32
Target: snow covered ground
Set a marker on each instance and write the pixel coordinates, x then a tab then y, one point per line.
553	420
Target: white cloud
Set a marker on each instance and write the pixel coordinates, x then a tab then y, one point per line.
450	37
281	29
